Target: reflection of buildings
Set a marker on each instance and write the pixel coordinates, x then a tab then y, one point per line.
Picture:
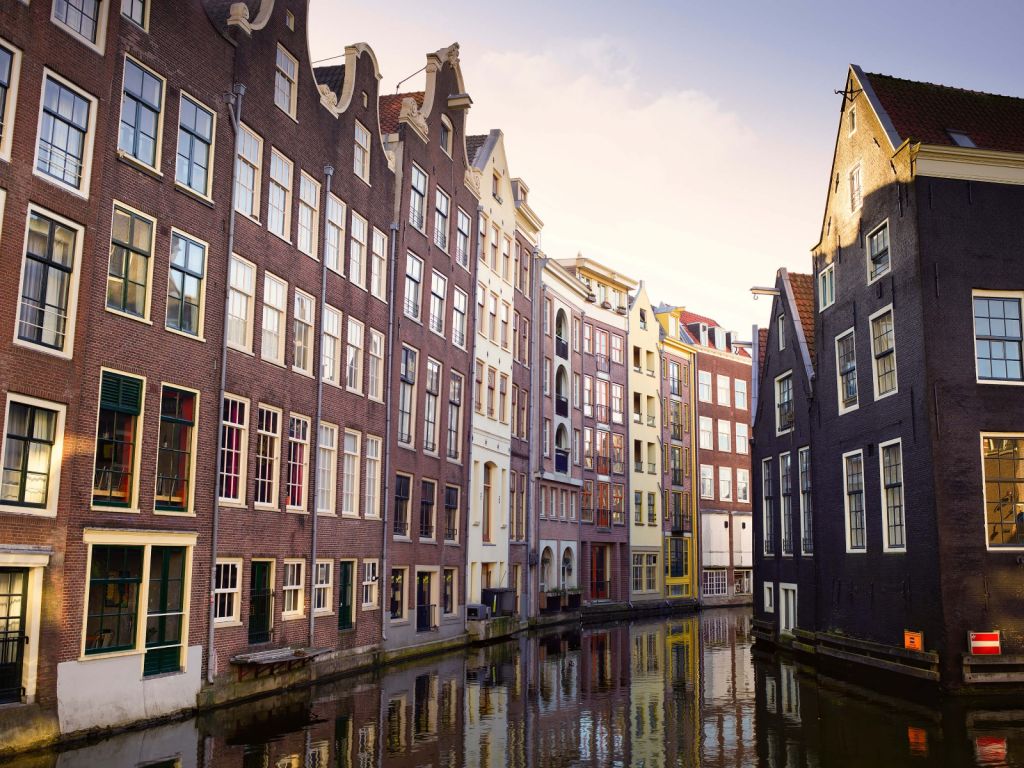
727	688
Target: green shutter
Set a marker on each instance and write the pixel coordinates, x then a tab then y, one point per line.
121	393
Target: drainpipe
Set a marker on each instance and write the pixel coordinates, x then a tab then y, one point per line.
319	368
389	425
237	93
540	263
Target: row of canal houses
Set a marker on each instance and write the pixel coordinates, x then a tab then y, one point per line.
888	417
290	387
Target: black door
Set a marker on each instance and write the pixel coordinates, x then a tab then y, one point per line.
261	602
424	610
345	595
13	587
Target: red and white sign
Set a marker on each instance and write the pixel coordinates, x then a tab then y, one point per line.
984	643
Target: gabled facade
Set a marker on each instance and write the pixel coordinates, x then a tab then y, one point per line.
783	395
431	360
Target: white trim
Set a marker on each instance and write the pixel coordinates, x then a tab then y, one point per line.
198	336
235	619
90	136
151	259
874	361
805	449
886	547
779	429
785	587
784	469
985	294
846	503
830	270
158	149
839	376
53	481
884	224
7	137
207	194
300	590
101	27
768	601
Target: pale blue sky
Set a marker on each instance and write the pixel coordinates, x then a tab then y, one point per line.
686	143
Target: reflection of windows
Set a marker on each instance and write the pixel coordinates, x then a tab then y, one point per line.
141	105
1003	468
65	134
48	282
174	449
33	432
116	439
997	337
185	284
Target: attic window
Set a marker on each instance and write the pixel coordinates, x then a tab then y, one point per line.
289	20
853	119
961	139
366	100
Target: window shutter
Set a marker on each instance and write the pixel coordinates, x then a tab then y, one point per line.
121	393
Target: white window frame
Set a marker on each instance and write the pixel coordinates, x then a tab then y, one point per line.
335	234
99	44
235	618
274	305
412	258
856	191
371	486
460	317
742	438
704	379
874	360
286	211
1018	296
158	149
10	107
779	428
379	265
375	366
707	421
805	516
839	374
745	475
350	477
769	597
357	250
438	302
725	433
250	302
200	330
361	149
846	502
739	394
303	299
299	588
867	251
707	472
257	172
371	582
725	483
886	544
787	617
275	475
90	137
281	76
243	458
53	476
307	237
723	385
332	322
287	440
324	589
326	468
826	287
780	330
355	339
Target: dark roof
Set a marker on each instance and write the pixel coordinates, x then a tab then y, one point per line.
803	295
391	107
333	77
926	113
473	144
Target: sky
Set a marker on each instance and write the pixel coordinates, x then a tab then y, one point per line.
684	143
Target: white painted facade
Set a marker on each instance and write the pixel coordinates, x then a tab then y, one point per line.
488	535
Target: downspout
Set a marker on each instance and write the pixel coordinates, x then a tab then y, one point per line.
319	368
389	425
535	364
238	92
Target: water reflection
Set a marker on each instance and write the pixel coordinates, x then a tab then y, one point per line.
683	691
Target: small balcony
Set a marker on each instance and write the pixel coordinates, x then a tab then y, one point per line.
416	218
602	362
441	239
427	527
603	517
437	323
561	405
459	338
412	308
638	466
462	256
601	413
561	461
561	348
401	526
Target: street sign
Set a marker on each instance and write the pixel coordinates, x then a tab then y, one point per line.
984	643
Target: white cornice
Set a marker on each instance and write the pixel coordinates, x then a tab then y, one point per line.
967	163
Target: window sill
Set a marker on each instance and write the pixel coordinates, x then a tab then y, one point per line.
111	655
293	616
232	504
427	541
197	196
106	508
307	374
138	165
64	354
187	335
17	509
174	513
226	624
128	315
242	350
262	507
296	510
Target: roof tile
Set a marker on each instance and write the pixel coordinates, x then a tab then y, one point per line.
390	108
803	295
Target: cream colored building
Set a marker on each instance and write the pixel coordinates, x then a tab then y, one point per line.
645	513
487	541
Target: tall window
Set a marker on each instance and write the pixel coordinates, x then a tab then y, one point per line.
786	493
417	198
397	602
707	481
185	284
309	215
442	205
878	252
892	495
1002	468
438	291
350	475
725	435
375	373
806	511
883	347
767	513
234	427
302	353
846	363
743	485
291	588
241	289
704	386
486	508
379	264
9	64
279	195
268	453
286	76
31	433
275	310
785	415
451	513
357	250
432	391
354	356
460	307
856	194
725	483
64	134
195	146
706	436
413	285
174	449
141	104
402	491
462	235
740	393
165	608
742	438
334	234
427	501
326	468
115	580
997	338
116	439
371	505
853	477
298	462
723	386
406	395
47	282
330	346
370	579
455	416
361	152
827	287
248	166
83	17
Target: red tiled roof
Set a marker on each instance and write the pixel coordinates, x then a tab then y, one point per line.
390	107
803	294
762	347
925	112
686	318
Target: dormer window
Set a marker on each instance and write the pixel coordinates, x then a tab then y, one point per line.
961	139
704	334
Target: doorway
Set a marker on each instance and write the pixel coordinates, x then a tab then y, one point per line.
13	599
261	601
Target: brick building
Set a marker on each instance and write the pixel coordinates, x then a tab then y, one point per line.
722	423
916	421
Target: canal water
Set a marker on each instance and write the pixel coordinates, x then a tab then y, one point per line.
679	691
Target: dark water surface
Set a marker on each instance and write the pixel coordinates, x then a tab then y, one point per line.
681	691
